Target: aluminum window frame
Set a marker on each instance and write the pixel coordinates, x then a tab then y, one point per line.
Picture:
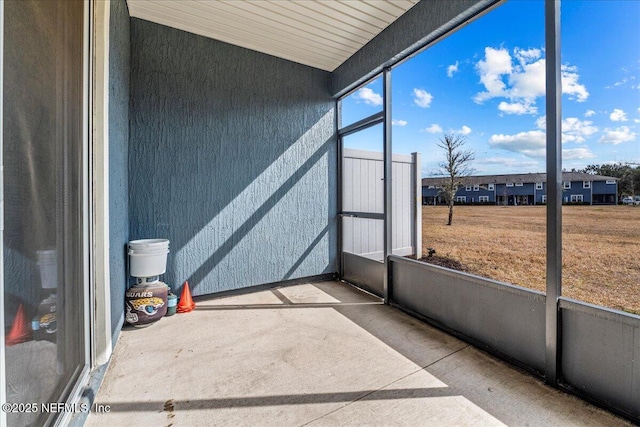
554	183
381	117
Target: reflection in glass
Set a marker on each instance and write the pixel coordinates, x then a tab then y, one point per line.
42	149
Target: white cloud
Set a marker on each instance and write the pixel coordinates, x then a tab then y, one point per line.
508	162
452	69
369	96
531	143
527	56
570	85
434	128
589	113
523	82
528	81
575	130
622	82
422	98
399	122
618	115
465	130
518	108
577	154
496	62
617	136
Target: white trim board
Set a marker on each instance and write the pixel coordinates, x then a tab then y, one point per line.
99	140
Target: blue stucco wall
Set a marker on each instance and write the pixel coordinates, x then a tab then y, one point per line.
232	157
119	59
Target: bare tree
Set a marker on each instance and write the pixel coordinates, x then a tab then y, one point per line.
455	168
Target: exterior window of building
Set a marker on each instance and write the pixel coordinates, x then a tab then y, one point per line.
490	187
576	198
482	199
566	184
544	198
509	184
586	184
611	181
538	186
476	188
461	199
468	188
431	187
519	184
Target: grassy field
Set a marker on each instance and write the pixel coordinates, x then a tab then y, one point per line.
601	248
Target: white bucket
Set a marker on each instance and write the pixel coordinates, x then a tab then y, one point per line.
48	265
148	257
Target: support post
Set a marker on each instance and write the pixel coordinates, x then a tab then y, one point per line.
388	184
339	187
554	189
417	239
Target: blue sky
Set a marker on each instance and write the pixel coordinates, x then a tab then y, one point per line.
486	82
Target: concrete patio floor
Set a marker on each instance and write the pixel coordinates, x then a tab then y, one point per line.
318	354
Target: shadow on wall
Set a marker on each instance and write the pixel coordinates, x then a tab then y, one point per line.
233	158
257	222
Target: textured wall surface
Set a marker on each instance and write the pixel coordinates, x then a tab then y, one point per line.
422	24
119	70
600	350
232	157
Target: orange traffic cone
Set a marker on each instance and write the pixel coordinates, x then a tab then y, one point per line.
19	331
186	304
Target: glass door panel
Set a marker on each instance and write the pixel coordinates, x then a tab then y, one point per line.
43	244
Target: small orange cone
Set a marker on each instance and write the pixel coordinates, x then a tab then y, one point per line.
19	331
185	304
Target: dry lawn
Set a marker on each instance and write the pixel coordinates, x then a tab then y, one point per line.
601	248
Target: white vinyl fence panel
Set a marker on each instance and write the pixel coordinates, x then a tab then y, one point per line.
363	191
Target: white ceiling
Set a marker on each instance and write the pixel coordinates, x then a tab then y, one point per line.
319	33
